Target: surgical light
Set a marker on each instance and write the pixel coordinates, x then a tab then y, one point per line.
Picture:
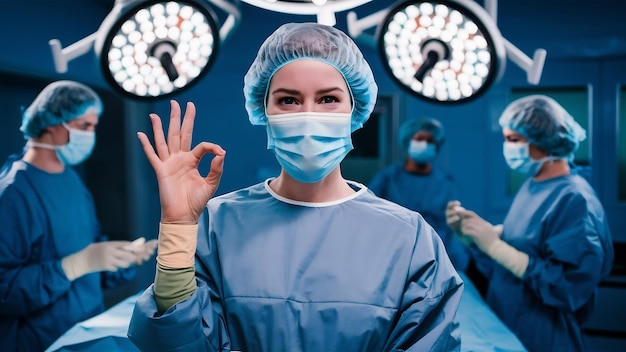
154	49
443	51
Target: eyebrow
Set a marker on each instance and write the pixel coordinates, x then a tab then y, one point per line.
296	92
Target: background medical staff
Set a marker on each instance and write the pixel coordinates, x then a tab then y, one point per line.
554	247
305	261
419	184
54	261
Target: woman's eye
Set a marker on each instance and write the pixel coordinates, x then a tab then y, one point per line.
287	100
329	100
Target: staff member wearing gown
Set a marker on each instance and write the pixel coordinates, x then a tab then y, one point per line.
52	266
546	261
418	184
305	261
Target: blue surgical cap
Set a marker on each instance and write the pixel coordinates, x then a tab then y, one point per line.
58	102
410	127
294	41
545	123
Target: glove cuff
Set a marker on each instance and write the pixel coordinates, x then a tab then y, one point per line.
75	265
177	245
509	257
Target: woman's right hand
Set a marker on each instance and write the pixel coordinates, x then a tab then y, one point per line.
182	190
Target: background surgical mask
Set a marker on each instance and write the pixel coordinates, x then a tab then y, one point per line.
309	145
422	152
78	148
517	156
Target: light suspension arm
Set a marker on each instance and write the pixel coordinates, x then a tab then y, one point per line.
533	67
62	55
357	27
234	16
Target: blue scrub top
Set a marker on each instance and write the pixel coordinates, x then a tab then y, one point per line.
359	274
44	218
562	226
427	194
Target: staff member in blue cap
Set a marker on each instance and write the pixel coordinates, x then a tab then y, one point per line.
54	262
544	263
419	184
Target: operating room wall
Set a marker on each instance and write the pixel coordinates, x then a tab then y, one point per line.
585	47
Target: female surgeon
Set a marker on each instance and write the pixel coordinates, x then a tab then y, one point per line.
419	184
306	261
53	260
546	260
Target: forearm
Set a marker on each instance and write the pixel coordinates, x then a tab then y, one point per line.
509	257
428	318
429	324
194	325
30	288
172	286
175	273
566	285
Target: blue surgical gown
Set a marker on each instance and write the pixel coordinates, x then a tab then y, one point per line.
44	218
359	274
562	226
582	170
427	194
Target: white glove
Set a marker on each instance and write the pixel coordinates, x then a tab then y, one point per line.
453	219
509	257
487	237
99	256
482	233
143	250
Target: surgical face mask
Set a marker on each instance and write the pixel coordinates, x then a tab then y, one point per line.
309	145
77	149
517	156
422	152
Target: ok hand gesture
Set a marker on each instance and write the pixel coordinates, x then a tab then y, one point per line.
183	191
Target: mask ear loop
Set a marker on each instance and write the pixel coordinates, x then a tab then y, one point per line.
31	143
548	158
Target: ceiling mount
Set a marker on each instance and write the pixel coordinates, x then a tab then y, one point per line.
325	10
